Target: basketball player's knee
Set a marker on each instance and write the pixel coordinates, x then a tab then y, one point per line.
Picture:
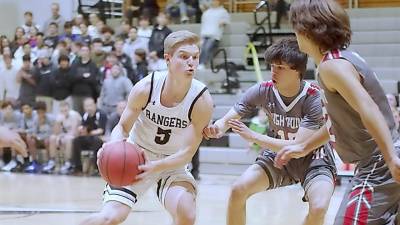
238	192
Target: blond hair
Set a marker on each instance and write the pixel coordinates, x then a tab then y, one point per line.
178	38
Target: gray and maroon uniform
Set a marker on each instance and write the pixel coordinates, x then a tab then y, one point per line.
286	116
373	196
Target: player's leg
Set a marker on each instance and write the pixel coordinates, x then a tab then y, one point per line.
117	205
319	189
112	213
180	202
252	181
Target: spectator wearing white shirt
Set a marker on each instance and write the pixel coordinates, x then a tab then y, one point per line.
9	87
213	22
132	43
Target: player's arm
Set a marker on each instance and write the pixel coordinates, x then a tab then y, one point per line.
247	104
341	76
192	137
137	99
274	144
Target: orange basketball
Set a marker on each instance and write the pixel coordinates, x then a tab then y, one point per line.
119	161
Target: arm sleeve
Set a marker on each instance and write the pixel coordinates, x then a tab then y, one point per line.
251	99
312	111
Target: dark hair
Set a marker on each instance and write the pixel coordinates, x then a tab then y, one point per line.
28	13
5	104
63	57
68	24
141	53
325	22
97	40
53	23
26	58
40	106
40	34
286	50
107	29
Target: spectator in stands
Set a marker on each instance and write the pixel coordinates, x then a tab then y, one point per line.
98	55
27	91
150	9
107	37
43	73
61	49
144	30
213	22
10	119
77	21
26	49
392	100
281	8
29	24
204	5
39	42
68	33
396	115
55	18
141	63
92	29
84	38
51	39
27	126
132	43
160	32
65	130
60	82
74	53
85	81
133	11
113	119
90	133
179	9
114	90
40	138
19	39
33	37
9	87
125	60
124	28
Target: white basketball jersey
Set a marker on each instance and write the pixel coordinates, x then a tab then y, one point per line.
160	129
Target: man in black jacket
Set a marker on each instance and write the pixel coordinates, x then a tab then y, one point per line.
61	81
85	81
160	32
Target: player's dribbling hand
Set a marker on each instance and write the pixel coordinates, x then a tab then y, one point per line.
394	167
287	153
149	168
212	131
240	128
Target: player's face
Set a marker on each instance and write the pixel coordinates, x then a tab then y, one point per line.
184	60
283	75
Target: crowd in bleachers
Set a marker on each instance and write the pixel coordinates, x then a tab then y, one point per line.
63	84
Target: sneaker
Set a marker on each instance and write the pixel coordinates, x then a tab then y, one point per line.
66	169
20	167
32	167
9	166
49	167
184	19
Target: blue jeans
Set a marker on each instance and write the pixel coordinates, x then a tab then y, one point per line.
207	49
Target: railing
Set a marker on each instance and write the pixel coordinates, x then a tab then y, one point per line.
215	69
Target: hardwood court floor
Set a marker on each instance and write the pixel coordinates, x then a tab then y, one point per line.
64	200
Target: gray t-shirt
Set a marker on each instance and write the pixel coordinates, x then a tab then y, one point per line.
304	110
349	136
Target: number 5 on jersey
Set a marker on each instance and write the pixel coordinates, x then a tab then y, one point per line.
162	136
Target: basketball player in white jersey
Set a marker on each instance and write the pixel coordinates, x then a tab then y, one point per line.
165	115
11	139
360	123
294	111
